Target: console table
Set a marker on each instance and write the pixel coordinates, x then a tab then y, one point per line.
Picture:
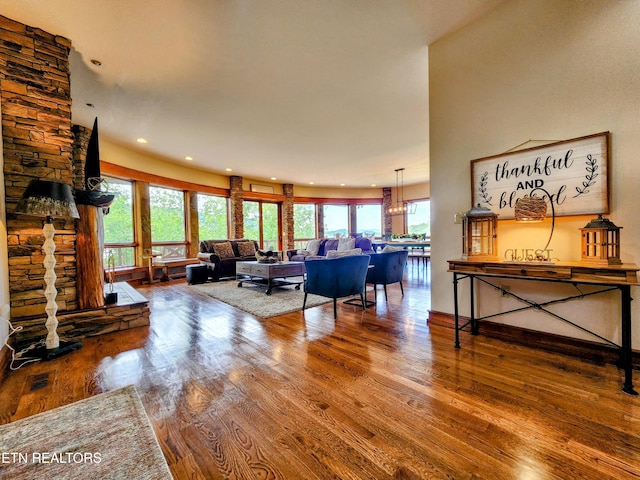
610	278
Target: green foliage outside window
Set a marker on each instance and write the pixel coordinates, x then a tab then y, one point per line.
304	220
270	226
167	215
251	212
118	223
212	217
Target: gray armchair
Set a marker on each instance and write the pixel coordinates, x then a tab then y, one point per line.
336	278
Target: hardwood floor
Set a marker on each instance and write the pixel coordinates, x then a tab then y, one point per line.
374	394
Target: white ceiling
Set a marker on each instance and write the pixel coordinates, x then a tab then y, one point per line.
329	91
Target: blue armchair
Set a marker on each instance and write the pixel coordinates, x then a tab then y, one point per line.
336	278
388	268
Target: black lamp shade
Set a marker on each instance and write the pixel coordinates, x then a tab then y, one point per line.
44	198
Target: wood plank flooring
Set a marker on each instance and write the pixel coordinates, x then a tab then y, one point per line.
374	394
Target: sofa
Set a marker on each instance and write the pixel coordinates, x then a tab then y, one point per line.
220	256
326	244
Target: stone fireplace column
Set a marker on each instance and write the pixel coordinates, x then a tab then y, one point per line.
236	199
287	217
387	228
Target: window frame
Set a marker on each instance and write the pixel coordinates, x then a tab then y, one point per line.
226	201
167	244
416	201
299	242
123	245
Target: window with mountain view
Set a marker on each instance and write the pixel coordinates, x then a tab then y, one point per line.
369	219
336	220
419	222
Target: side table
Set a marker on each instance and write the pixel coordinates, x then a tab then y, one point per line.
197	274
357	302
150	257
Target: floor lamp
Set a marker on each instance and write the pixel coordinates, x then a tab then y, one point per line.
50	200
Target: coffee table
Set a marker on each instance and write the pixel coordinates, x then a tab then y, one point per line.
269	274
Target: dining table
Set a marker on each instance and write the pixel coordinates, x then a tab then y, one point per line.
405	243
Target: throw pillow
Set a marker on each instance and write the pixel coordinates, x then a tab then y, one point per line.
344	253
246	249
303	252
223	250
391	248
313	246
346	244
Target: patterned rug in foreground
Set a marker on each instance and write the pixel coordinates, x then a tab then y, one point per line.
107	436
252	299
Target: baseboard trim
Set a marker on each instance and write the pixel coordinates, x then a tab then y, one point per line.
595	352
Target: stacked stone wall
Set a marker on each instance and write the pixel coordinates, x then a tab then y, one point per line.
387	228
37	143
236	198
287	217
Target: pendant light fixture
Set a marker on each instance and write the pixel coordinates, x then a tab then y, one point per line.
400	208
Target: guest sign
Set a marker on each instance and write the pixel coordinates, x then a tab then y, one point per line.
572	174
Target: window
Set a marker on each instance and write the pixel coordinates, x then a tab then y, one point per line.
251	214
167	222
304	224
118	225
261	223
336	220
420	221
270	226
212	217
369	220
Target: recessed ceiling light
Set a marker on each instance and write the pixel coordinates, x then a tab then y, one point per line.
228	170
97	63
273	178
188	158
141	140
311	183
342	184
373	184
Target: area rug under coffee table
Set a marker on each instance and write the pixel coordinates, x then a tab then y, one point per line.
252	299
107	436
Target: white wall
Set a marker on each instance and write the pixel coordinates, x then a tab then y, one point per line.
537	70
4	257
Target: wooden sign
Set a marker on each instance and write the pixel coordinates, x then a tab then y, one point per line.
573	174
